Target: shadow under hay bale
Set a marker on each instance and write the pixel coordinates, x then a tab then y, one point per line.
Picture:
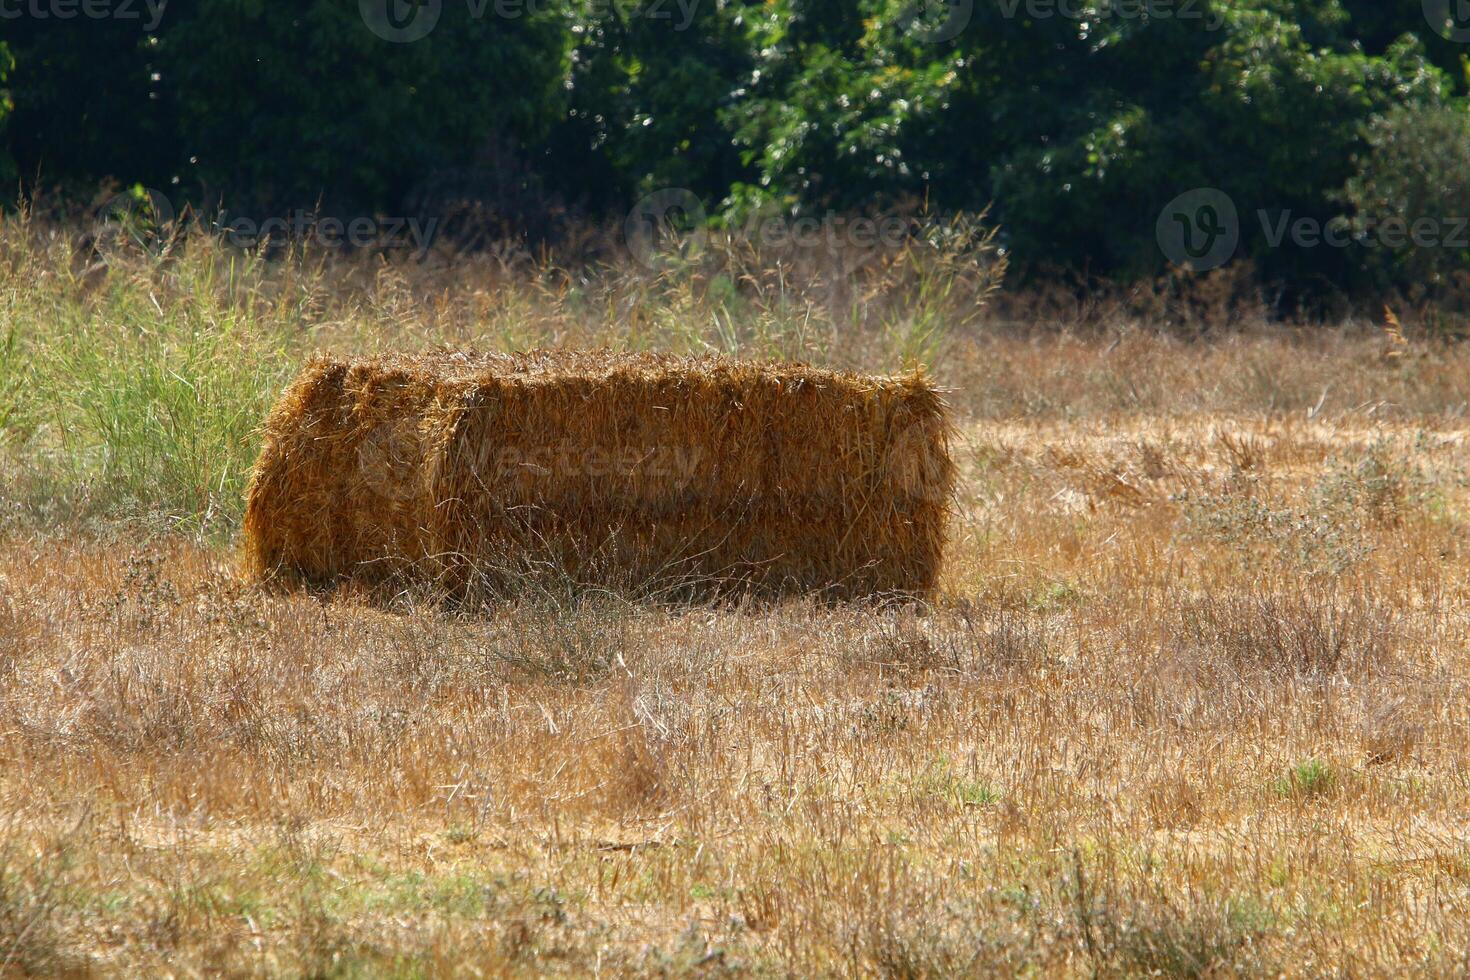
470	472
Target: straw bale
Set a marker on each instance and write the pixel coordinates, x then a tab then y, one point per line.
470	470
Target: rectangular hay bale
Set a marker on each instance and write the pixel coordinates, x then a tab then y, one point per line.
467	469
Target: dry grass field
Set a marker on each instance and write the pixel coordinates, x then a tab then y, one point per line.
1191	701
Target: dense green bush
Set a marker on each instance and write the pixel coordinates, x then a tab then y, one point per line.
646	87
1415	170
1079	132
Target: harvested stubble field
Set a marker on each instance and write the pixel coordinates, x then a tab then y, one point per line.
1192	700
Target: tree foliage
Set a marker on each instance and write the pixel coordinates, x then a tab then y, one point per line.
1413	176
1075	120
7	64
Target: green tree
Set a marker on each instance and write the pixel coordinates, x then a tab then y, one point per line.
1415	169
7	104
837	99
264	107
284	105
647	82
1287	109
1078	121
90	102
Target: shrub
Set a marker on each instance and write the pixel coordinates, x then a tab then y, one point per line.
1414	170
